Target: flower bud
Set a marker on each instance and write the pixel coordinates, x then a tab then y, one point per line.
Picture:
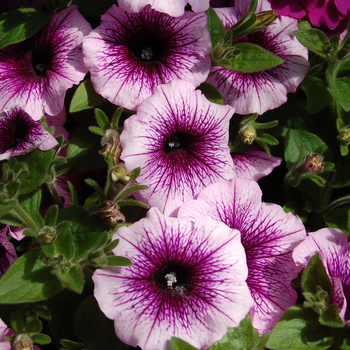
248	134
344	135
111	145
265	18
313	163
109	213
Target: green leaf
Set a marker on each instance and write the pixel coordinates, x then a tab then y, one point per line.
179	344
216	28
64	244
16	321
341	177
239	338
96	130
94	329
262	136
97	188
102	119
299	329
51	216
293	140
341	90
315	275
85	97
251	58
331	317
111	246
73	194
116	117
85	229
132	202
118	261
11	189
317	92
41	339
48	249
130	190
37	219
28	279
304	25
73	278
43	312
6	207
338	218
34	326
211	93
37	163
313	39
18	25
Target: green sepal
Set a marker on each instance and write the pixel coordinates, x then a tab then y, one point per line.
96	187
18	25
38	219
14	286
85	97
250	58
109	247
179	344
102	119
216	28
41	339
116	117
34	326
101	241
73	194
129	190
314	40
132	202
269	139
51	216
73	279
16	321
96	130
331	317
118	261
43	312
62	226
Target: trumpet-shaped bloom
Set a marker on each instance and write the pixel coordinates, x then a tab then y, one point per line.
180	141
267	89
268	235
187	280
130	54
254	164
20	134
334	250
36	73
173	8
7	252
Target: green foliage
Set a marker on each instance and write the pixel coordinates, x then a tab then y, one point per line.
211	93
315	40
18	25
216	28
179	344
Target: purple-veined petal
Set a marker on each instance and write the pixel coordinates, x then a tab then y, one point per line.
180	141
130	54
37	72
254	164
264	90
7	252
187	280
20	134
268	235
334	249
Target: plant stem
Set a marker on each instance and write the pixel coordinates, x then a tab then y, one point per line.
338	202
55	195
25	218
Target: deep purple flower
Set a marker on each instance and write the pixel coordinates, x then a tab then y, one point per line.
20	134
254	164
268	235
36	73
187	280
334	249
264	90
332	14
130	54
180	141
7	251
173	8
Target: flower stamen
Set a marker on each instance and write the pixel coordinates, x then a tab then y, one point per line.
147	53
171	279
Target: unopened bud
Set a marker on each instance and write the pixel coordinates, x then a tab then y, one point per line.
344	135
47	234
265	18
313	163
22	342
111	145
248	134
109	213
119	174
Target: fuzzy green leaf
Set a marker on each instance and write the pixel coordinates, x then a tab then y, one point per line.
313	39
179	344
216	28
73	278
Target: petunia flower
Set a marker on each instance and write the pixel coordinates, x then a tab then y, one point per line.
173	8
7	251
36	73
4	331
268	235
187	280
267	89
180	141
130	54
334	249
254	164
20	134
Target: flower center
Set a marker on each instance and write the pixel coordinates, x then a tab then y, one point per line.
147	48
173	276
177	141
40	60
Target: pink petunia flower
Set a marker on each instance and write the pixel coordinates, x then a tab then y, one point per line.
180	141
268	235
7	251
20	134
36	73
130	54
267	89
334	249
173	8
187	280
